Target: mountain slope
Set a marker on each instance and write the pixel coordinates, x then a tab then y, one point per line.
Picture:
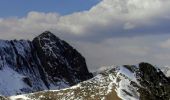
45	63
128	82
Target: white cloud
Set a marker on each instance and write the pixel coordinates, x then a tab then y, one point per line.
165	44
125	50
109	17
110	23
129	26
135	50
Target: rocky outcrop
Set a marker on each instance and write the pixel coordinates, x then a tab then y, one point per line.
44	63
60	60
155	85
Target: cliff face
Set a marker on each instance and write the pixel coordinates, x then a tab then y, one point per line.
44	63
60	60
155	85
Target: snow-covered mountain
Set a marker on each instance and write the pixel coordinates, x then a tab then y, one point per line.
48	68
45	63
128	82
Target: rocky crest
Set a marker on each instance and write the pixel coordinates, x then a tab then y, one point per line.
60	60
45	63
128	82
155	85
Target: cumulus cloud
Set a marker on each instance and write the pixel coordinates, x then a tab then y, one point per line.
125	50
108	18
165	44
111	32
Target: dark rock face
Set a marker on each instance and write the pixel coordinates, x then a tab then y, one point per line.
44	63
155	85
60	60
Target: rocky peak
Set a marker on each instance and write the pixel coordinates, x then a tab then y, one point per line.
47	62
155	85
128	82
151	74
47	35
60	60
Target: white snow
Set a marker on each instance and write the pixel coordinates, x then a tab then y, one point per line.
10	81
125	76
119	79
22	47
59	85
166	70
4	44
22	97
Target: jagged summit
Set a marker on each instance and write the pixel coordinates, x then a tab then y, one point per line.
51	64
60	57
47	62
127	82
46	34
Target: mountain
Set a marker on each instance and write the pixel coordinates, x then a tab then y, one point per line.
44	63
128	82
166	70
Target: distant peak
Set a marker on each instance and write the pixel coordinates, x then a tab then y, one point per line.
47	33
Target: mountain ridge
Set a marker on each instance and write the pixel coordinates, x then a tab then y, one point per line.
127	82
48	68
27	67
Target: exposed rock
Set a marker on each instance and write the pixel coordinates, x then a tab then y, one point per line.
44	63
155	85
128	82
27	81
60	60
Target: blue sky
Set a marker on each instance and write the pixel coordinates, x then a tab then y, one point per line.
20	8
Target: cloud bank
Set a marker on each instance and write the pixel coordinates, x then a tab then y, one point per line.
108	18
113	31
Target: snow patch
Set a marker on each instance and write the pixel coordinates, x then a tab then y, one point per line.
9	76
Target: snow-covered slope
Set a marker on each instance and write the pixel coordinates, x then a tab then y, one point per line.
166	70
128	82
42	64
19	68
